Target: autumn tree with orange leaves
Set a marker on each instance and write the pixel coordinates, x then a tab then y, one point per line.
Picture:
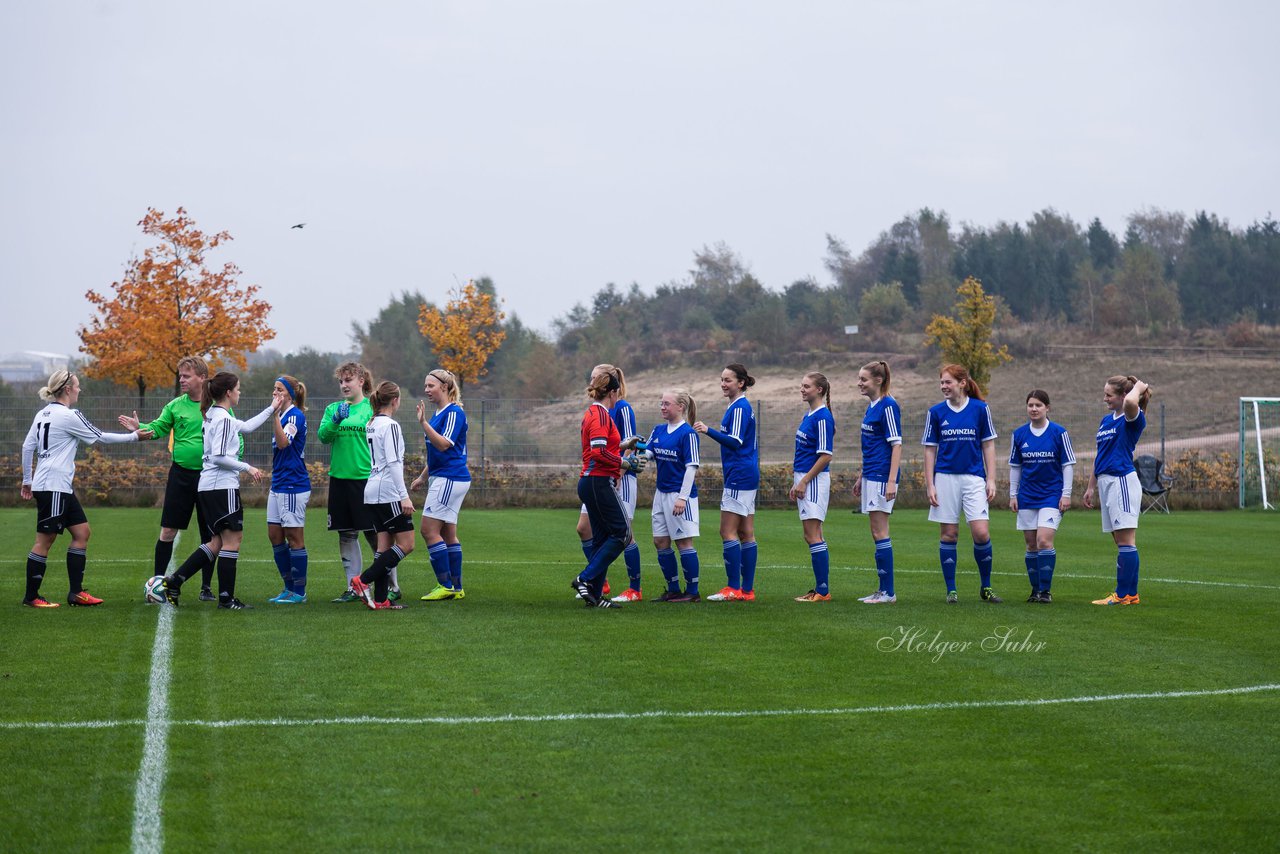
169	304
466	333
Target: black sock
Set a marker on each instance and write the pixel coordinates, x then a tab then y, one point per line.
206	574
227	574
35	574
75	570
381	566
201	560
164	554
380	589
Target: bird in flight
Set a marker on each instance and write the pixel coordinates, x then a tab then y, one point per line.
299	225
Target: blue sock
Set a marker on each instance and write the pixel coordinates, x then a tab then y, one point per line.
1048	560
1032	560
884	565
455	565
631	557
587	547
689	562
298	563
280	553
982	555
749	566
947	557
667	563
733	563
439	556
821	566
1127	571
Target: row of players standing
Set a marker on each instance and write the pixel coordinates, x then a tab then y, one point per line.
367	494
959	475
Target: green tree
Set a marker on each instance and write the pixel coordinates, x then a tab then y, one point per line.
883	306
391	345
964	338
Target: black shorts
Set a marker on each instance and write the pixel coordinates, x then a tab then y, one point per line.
57	511
389	518
223	508
347	510
180	500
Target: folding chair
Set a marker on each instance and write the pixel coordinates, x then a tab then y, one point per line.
1155	483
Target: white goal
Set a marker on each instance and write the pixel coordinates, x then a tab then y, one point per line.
1259	462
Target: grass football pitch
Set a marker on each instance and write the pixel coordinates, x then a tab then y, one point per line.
517	719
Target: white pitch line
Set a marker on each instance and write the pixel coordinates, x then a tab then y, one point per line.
661	713
148	796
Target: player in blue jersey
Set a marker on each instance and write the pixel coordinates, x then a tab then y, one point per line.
624	418
673	445
960	474
1119	493
447	478
290	488
1041	464
811	479
877	483
740	462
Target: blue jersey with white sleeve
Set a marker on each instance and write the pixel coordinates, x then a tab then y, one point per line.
881	430
815	436
674	448
451	423
1117	439
624	418
1040	459
739	452
958	436
289	464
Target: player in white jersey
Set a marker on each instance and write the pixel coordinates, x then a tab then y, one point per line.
387	499
219	495
50	447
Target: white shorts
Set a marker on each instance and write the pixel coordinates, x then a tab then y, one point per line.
287	509
873	497
1039	517
957	492
667	524
1121	501
444	498
739	501
627	489
817	495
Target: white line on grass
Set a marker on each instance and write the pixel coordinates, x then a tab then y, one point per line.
148	796
655	713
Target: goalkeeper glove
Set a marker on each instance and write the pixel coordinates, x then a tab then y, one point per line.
340	414
634	464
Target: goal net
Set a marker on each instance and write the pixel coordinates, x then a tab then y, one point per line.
1259	462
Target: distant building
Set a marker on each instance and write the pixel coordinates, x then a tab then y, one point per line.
31	365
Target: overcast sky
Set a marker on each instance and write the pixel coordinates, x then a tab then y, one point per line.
559	146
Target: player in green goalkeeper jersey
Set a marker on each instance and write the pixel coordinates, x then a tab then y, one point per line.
342	427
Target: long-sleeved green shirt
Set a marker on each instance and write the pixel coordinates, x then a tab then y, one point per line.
349	458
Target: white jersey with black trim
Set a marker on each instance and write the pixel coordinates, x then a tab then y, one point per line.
222	463
386	474
51	445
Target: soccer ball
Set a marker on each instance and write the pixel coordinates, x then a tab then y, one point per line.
154	589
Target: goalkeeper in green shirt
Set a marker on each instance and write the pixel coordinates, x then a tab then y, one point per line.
342	427
182	418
